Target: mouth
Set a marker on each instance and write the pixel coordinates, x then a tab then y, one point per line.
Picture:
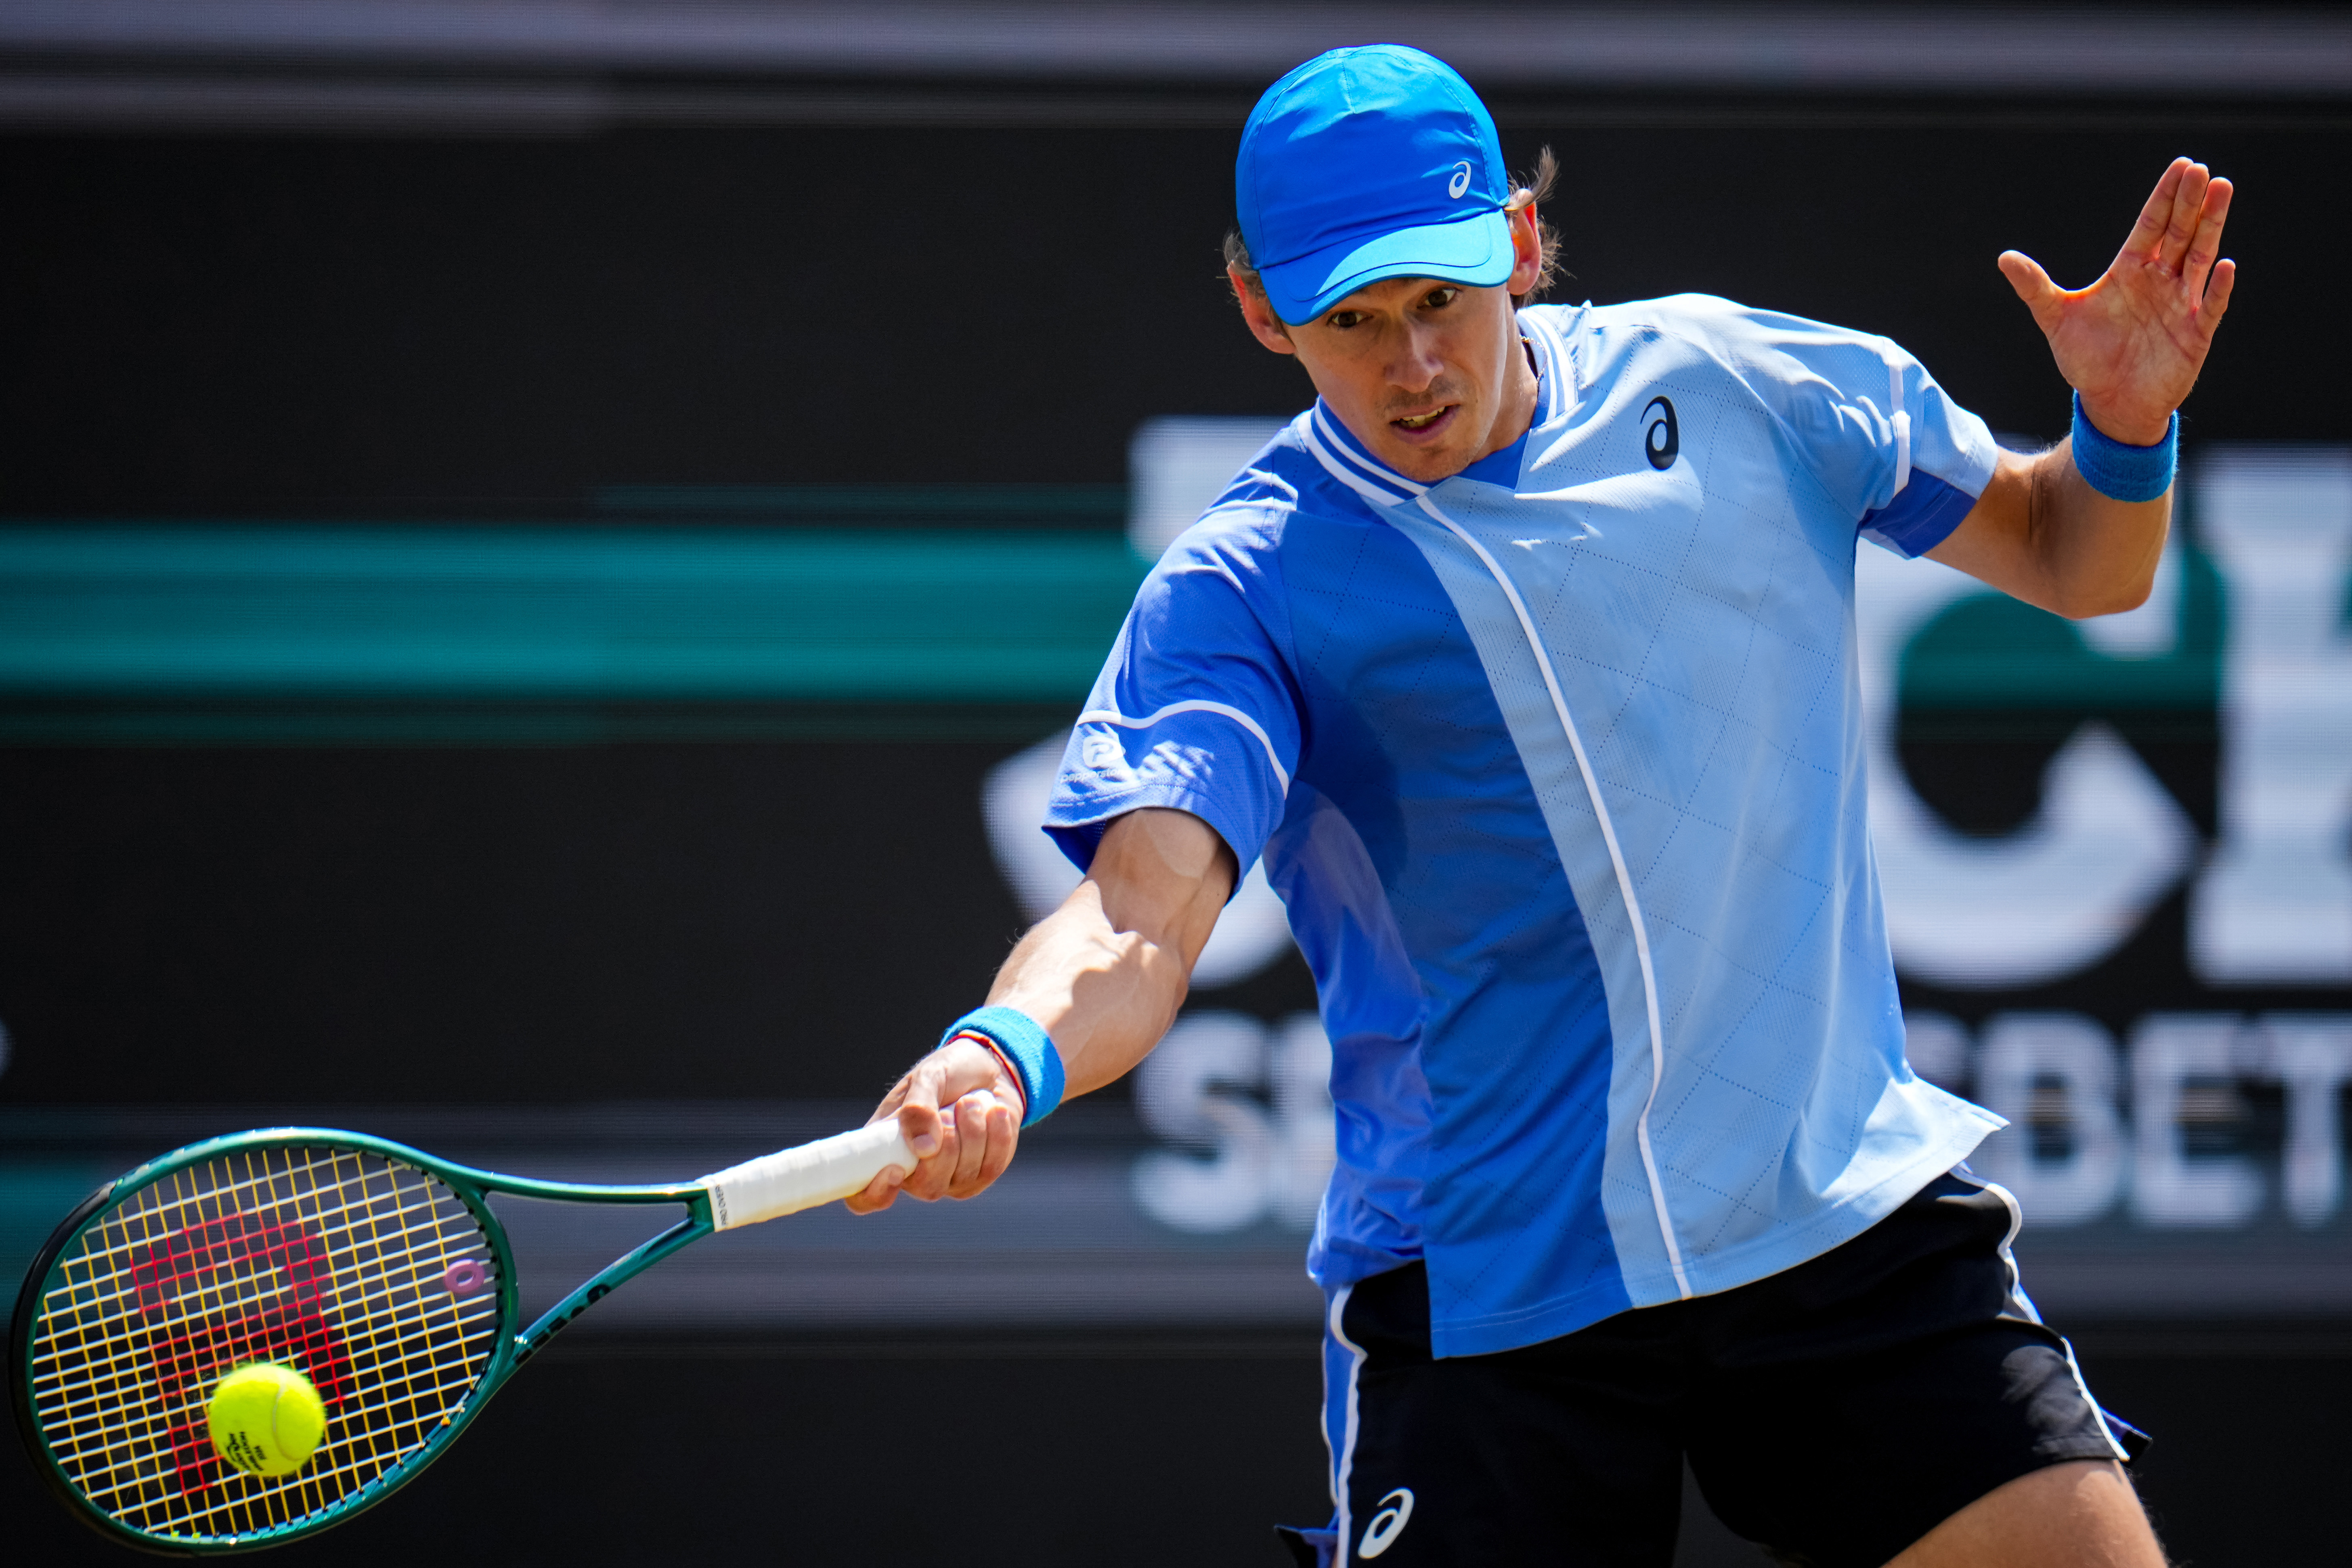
1412	426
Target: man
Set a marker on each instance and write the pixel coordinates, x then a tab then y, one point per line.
1525	660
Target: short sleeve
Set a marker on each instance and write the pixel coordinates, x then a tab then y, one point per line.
1196	709
1872	426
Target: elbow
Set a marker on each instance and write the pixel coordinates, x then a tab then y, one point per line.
2089	602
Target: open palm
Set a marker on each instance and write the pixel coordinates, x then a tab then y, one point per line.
2132	343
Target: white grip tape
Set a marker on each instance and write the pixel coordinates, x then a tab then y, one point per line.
792	1180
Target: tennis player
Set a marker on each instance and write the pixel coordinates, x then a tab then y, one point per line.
1526	661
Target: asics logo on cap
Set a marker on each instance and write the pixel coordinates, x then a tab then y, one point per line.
1388	1524
1367	164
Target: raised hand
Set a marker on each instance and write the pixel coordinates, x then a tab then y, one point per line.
2133	342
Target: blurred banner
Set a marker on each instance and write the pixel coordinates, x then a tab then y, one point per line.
2153	983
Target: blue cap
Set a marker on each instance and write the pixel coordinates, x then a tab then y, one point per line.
1371	162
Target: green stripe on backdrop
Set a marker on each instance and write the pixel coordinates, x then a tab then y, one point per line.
210	633
1059	506
1989	652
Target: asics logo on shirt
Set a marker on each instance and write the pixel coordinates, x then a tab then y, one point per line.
1388	1524
1460	182
1663	438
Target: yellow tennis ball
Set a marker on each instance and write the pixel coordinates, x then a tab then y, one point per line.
266	1420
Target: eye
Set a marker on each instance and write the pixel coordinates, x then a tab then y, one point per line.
1438	299
1343	320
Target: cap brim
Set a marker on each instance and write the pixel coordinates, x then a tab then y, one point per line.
1473	250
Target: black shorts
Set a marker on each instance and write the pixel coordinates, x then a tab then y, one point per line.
1833	1413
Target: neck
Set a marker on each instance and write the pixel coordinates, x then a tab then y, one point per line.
1518	403
1520	395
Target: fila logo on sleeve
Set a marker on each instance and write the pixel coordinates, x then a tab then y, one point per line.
1387	1524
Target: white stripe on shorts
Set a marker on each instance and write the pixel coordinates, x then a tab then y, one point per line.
1343	1460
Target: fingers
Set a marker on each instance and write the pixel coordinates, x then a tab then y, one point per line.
960	1114
977	1145
880	1194
986	1129
914	1100
2205	245
918	1106
2217	296
2042	296
973	1144
2155	214
2187	207
972	1138
930	1131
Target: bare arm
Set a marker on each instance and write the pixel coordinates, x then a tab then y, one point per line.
2131	345
1104	974
2041	534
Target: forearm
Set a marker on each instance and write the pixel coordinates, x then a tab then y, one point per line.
1105	973
1104	995
2040	533
1103	976
2099	555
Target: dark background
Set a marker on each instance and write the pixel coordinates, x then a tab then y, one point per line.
312	327
1011	1454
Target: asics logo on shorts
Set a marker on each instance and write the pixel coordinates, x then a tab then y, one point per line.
1460	182
1388	1524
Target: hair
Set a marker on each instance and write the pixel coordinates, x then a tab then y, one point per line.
1528	191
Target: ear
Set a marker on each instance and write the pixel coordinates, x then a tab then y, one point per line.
1527	249
1263	323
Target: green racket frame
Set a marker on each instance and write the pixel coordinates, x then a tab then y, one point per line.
473	1187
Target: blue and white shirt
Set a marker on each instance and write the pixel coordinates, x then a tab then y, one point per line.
1557	767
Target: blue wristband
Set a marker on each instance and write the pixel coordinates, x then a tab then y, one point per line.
2121	471
1027	1045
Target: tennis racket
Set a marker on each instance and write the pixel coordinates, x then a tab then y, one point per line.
375	1271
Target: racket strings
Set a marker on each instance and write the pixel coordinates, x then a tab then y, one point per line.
370	1306
367	1445
373	1279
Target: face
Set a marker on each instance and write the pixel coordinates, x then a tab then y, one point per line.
1429	375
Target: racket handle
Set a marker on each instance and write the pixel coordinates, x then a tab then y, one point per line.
792	1180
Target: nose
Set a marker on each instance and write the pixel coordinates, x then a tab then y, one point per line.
1415	364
